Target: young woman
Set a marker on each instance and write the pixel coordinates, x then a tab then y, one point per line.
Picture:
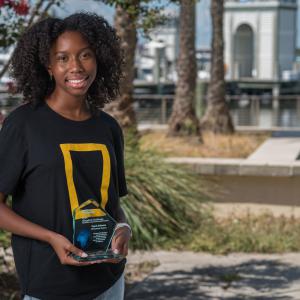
60	149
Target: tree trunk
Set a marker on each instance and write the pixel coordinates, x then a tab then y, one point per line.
122	107
217	117
183	120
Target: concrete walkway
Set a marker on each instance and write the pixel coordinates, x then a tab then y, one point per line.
281	149
191	276
275	157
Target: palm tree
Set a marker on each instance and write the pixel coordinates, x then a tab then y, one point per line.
217	117
122	108
183	120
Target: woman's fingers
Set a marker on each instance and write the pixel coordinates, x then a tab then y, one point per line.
73	262
125	249
121	240
72	249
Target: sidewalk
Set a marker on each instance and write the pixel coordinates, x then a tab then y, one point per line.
276	157
192	276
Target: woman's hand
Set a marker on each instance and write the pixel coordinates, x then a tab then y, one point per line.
120	243
64	248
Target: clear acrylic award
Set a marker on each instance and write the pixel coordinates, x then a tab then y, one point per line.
93	231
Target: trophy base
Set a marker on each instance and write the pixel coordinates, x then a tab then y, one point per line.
98	255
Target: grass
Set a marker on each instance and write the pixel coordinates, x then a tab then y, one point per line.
262	234
251	233
239	145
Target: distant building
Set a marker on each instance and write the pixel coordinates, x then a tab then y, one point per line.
203	56
156	59
260	38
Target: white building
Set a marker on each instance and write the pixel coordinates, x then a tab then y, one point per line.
156	59
260	38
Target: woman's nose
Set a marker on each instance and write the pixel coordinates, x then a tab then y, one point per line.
75	65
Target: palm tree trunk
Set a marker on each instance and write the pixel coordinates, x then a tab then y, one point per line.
183	120
122	108
217	117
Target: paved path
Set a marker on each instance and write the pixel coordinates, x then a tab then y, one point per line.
277	156
274	150
191	276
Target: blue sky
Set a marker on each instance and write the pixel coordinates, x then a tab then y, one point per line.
203	17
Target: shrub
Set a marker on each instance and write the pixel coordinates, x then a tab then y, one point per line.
164	201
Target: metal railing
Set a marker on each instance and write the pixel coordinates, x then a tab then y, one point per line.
264	111
249	1
7	103
153	108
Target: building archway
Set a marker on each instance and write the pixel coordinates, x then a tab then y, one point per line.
244	51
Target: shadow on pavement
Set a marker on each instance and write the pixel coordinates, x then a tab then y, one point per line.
252	280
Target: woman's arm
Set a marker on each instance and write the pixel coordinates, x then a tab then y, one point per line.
16	224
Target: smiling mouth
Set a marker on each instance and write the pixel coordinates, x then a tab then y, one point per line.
77	83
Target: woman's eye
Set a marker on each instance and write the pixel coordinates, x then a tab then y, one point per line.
85	55
62	58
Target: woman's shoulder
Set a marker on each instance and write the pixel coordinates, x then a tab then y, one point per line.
20	115
109	120
16	121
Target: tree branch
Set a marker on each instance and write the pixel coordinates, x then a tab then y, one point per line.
35	12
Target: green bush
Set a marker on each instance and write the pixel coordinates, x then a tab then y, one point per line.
4	239
164	200
263	234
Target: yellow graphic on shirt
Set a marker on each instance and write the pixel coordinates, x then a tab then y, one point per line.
75	207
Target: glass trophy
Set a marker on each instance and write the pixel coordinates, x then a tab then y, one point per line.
93	231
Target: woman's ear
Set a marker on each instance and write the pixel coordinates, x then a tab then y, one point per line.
50	73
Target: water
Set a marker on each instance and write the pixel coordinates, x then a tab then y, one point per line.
261	115
286	115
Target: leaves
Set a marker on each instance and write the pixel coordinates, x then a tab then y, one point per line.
16	15
145	13
164	201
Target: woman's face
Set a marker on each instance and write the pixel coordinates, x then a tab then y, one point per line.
72	64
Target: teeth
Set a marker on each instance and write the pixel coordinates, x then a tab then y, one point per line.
76	81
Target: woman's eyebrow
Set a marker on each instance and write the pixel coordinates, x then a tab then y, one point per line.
66	51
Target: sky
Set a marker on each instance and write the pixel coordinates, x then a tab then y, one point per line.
203	28
203	15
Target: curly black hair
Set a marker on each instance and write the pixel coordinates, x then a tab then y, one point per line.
31	58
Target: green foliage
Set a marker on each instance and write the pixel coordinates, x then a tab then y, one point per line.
145	13
11	26
17	15
263	234
164	201
4	239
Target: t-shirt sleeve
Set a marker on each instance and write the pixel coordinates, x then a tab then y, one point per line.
119	151
12	155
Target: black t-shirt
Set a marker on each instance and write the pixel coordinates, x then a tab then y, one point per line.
33	170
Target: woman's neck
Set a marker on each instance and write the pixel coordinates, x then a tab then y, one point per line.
73	108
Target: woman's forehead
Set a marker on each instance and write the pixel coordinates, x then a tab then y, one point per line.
70	41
